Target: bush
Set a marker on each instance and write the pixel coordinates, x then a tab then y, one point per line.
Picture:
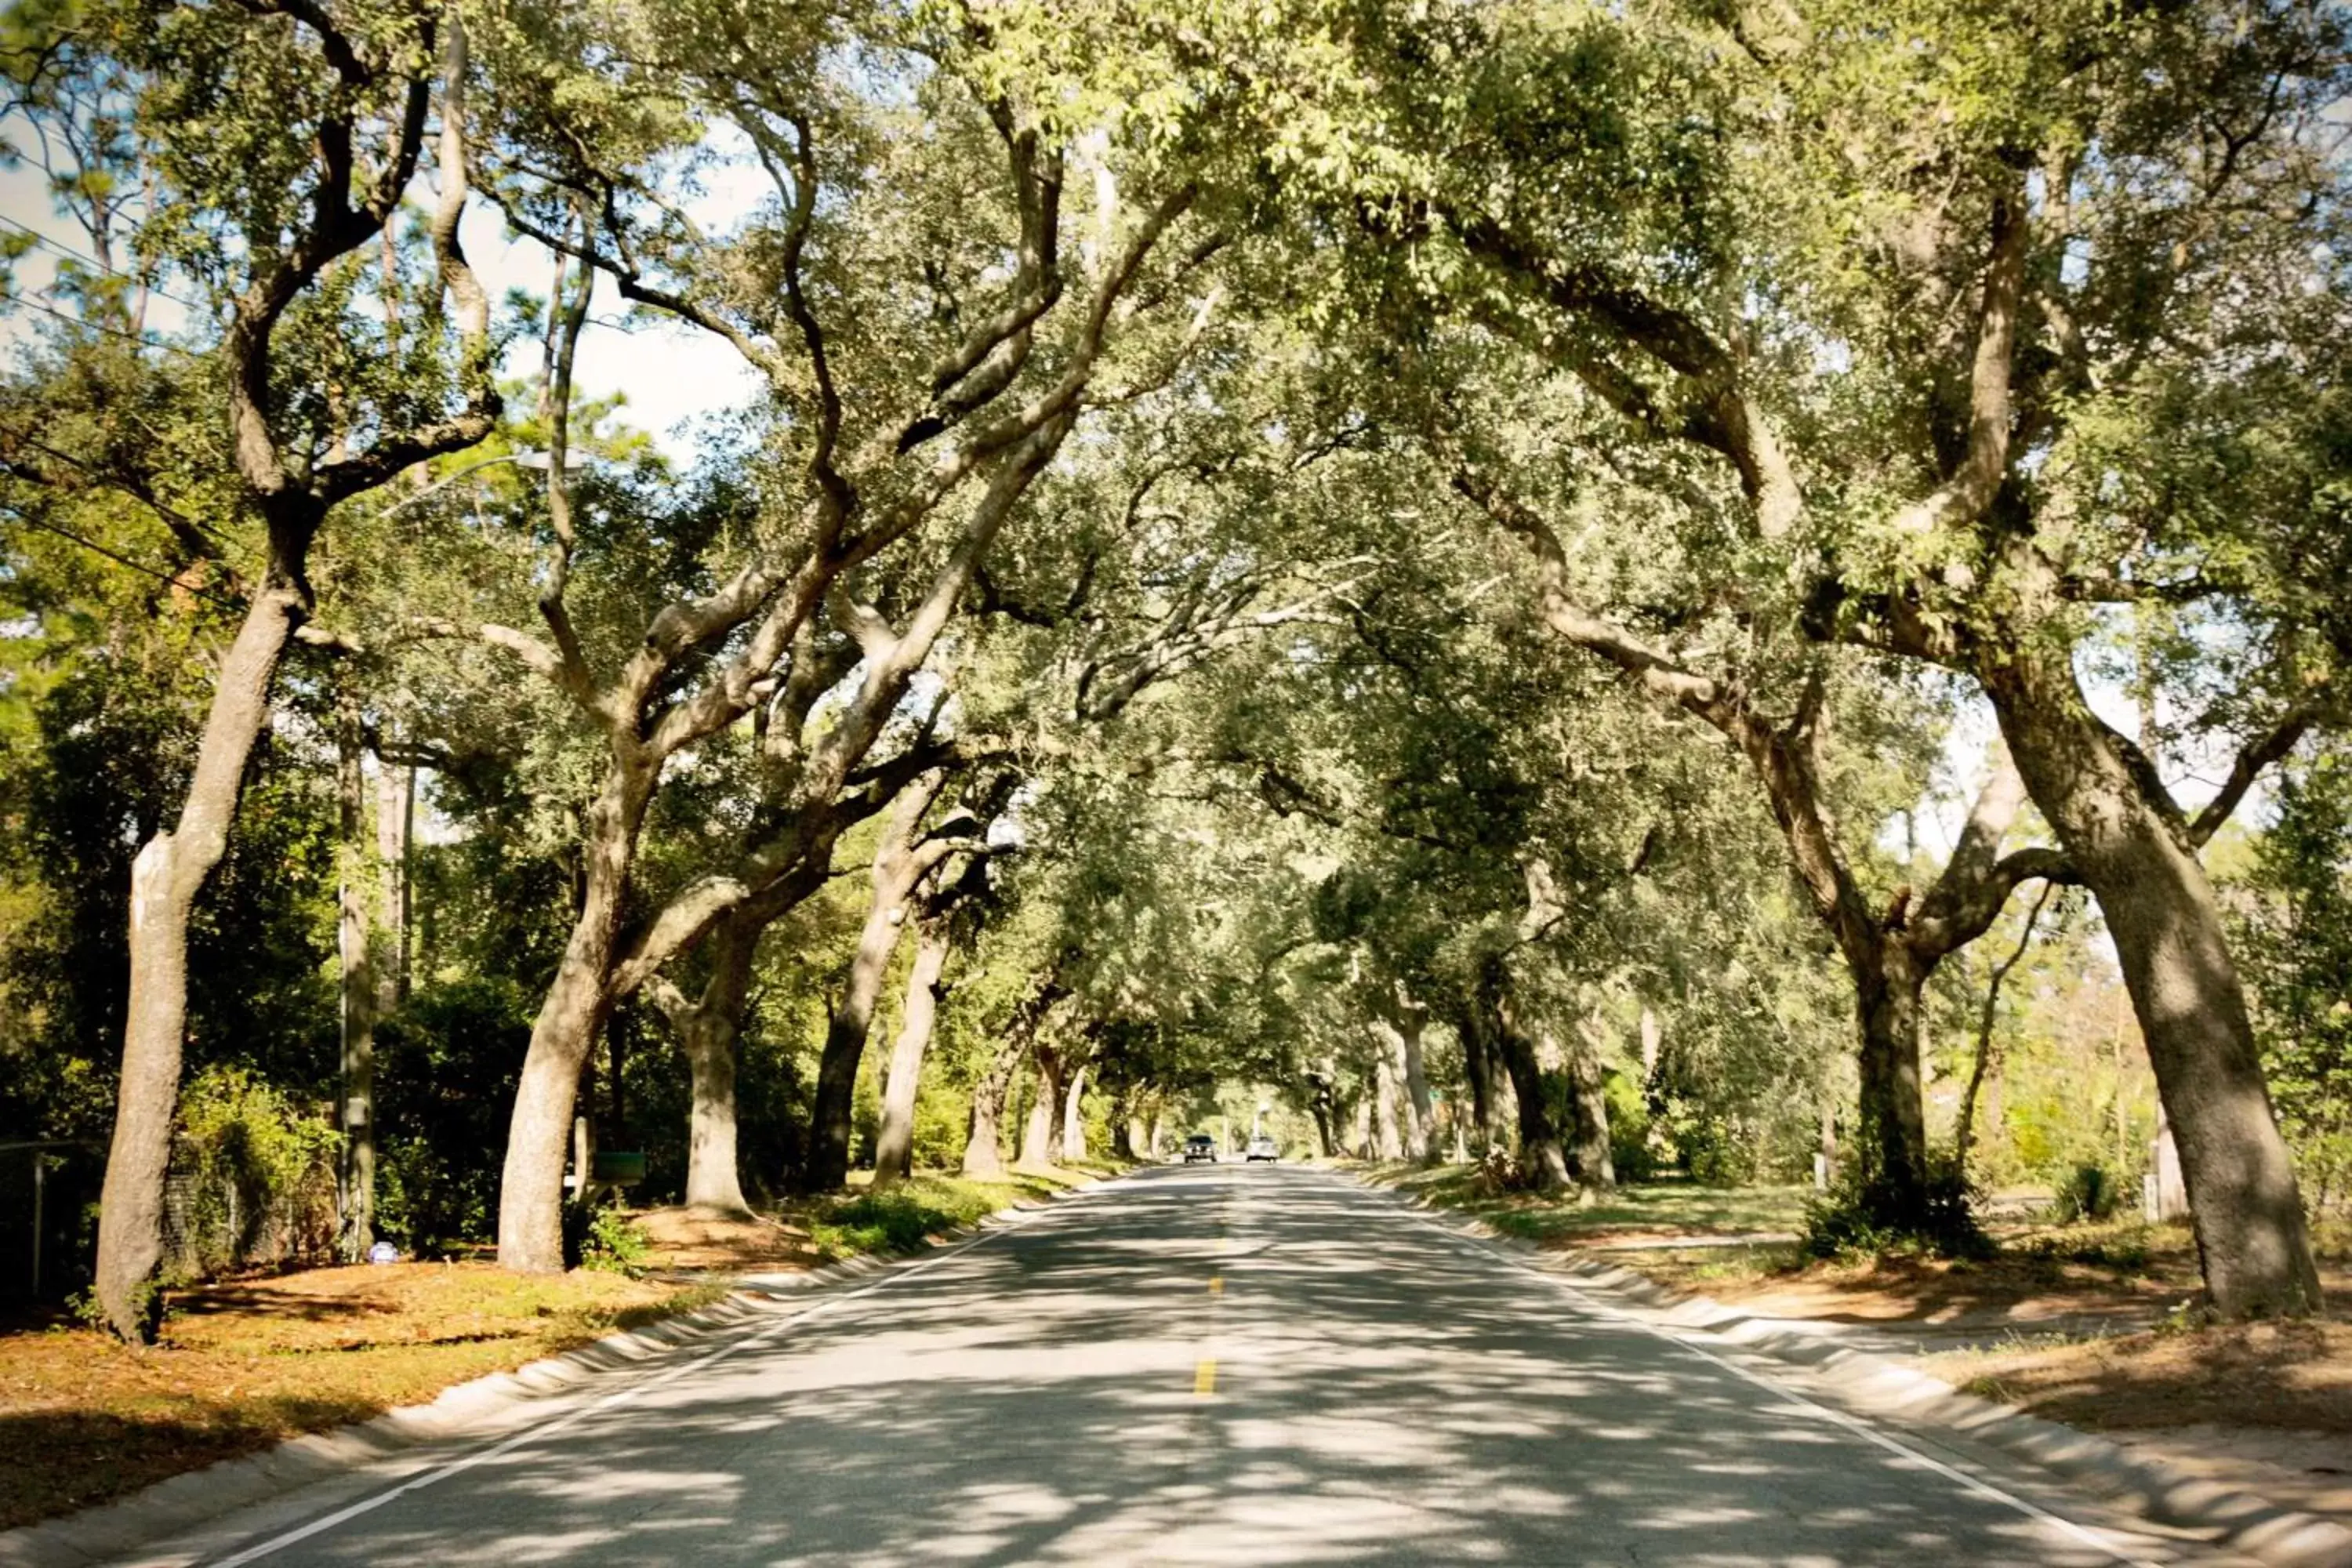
446	1067
1870	1218
615	1243
1631	1153
2090	1191
898	1220
252	1179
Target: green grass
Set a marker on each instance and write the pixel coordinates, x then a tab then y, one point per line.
1665	1208
904	1218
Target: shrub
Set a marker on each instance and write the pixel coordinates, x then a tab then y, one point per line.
2090	1191
897	1220
1868	1217
1631	1152
615	1243
253	1177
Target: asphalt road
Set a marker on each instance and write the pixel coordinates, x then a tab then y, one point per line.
1226	1365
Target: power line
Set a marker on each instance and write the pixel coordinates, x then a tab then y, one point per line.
62	248
116	557
84	323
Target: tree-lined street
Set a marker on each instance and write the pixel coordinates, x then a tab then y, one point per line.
650	641
1207	1366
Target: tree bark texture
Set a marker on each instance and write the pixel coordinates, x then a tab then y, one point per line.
1589	1160
358	948
1073	1121
1893	1133
893	1146
983	1152
2183	981
1478	1071
571	1015
1039	1136
1323	1108
897	869
709	1032
1541	1157
171	869
1389	1143
1421	1132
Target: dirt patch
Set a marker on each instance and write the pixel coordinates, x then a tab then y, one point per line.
248	1362
2026	1290
685	1238
2113	1277
2291	1376
2266	1408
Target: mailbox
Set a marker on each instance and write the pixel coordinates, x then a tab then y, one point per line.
619	1167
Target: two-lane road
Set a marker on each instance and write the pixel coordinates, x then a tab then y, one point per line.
1253	1366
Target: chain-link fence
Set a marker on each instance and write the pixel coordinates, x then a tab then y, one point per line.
252	1179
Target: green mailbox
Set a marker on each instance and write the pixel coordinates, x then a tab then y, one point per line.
618	1167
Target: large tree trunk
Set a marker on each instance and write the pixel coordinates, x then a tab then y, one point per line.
894	1147
897	870
983	1152
1073	1121
1589	1159
1038	1138
1389	1145
169	871
1540	1154
1894	1135
1323	1105
530	1188
357	946
1420	1128
1478	1071
983	1155
710	1031
2183	981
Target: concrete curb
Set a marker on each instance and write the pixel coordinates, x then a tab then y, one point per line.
196	1498
2239	1520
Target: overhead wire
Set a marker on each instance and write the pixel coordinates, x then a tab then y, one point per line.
118	557
49	242
83	322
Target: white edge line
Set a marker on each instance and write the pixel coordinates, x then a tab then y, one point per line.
1859	1427
1018	1219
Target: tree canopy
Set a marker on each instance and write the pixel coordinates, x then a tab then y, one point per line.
1597	588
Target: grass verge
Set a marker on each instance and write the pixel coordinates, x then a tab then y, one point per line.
905	1217
1637	1211
246	1363
806	1232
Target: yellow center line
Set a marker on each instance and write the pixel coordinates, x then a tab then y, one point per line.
1216	1284
1204	1376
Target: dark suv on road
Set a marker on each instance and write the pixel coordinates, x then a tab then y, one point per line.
1200	1146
